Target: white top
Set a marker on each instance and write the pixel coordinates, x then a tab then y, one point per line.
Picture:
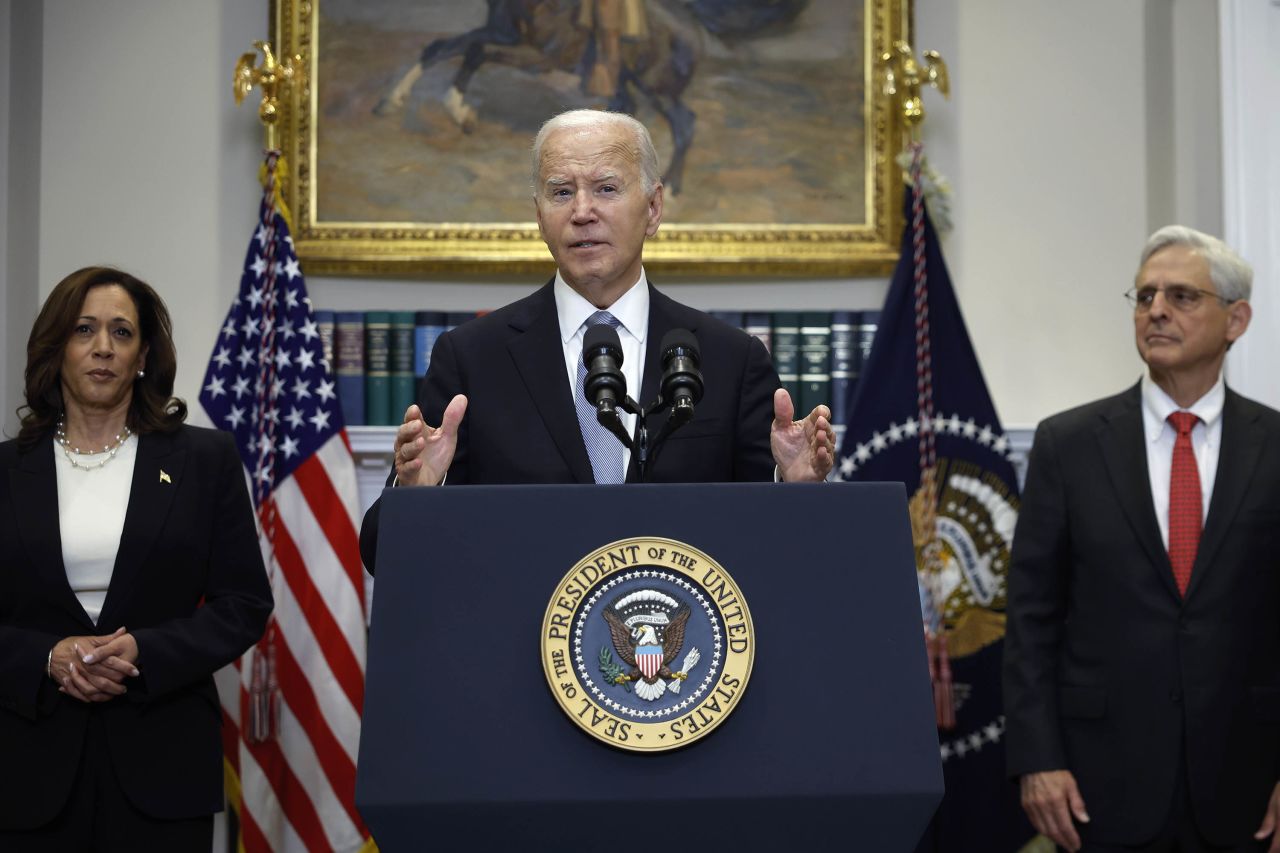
91	508
632	311
1206	442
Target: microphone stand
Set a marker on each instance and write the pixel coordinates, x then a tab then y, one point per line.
681	379
641	447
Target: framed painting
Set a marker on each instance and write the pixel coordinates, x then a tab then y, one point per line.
409	144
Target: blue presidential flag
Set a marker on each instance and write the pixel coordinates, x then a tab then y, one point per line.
920	413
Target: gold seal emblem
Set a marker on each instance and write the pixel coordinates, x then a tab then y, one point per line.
647	644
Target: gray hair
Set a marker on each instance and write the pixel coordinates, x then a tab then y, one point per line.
1231	274
576	119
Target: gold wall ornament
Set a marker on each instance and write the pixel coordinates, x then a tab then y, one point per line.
275	79
904	76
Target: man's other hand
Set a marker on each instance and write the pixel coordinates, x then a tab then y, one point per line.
1050	800
804	451
1270	820
424	453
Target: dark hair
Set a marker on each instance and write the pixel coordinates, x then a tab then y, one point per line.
153	407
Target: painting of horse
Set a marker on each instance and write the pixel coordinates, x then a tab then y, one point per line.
425	109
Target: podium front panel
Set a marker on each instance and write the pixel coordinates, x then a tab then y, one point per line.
831	747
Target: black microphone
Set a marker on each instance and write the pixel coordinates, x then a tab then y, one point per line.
681	377
605	386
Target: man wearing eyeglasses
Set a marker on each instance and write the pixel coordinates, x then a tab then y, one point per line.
1142	653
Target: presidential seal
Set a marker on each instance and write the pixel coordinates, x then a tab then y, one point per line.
647	644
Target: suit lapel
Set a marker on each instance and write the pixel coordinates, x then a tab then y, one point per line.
33	485
157	476
661	321
1240	446
538	355
1124	449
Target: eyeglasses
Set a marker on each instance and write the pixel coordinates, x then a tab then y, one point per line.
1182	297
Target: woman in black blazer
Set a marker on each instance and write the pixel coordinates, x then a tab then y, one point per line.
129	572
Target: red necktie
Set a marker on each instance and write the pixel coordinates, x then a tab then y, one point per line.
1185	513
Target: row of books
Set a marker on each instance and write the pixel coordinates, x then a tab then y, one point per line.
379	356
818	354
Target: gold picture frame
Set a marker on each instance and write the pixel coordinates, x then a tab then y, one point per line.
766	148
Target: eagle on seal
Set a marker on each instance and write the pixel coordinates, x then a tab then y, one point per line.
647	628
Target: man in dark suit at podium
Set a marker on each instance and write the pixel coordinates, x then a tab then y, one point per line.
516	373
1142	653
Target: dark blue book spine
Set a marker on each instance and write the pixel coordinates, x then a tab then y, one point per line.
348	345
865	324
326	325
427	328
760	325
864	333
733	318
454	319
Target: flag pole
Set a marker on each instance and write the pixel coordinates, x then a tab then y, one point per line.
904	77
921	413
276	81
289	730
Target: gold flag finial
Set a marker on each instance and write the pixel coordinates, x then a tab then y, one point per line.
903	77
273	78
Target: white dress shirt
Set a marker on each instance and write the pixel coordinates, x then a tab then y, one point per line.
1206	442
91	508
632	311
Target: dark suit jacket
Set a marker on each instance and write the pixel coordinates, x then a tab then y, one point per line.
188	583
1108	671
521	425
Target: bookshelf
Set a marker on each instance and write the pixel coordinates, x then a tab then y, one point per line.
818	355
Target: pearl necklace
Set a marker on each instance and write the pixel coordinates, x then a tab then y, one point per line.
110	450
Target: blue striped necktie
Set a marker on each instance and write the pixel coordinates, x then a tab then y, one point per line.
603	448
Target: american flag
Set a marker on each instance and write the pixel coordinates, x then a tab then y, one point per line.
292	704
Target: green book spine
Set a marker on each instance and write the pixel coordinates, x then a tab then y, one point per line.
377	368
402	374
815	361
786	352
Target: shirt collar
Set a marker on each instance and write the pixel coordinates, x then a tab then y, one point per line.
631	309
1157	406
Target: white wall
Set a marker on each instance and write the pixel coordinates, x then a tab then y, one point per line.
1059	139
20	68
6	96
144	162
1251	79
1050	181
1071	135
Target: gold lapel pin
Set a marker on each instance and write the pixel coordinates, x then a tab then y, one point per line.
164	478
